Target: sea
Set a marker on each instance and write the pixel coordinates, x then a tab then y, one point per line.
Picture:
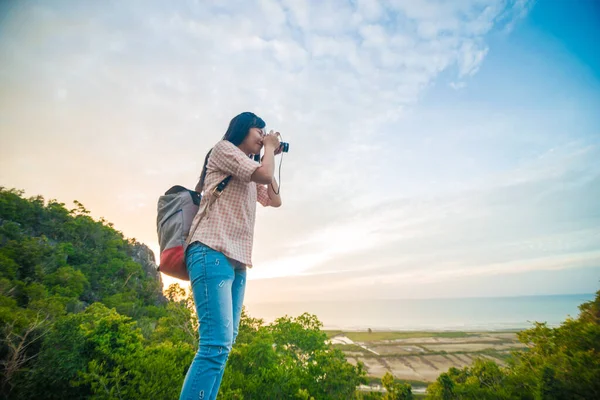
454	314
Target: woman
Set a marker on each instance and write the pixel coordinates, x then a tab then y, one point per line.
221	246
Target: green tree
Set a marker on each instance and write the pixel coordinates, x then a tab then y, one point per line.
180	322
160	371
288	359
67	281
395	390
19	341
62	356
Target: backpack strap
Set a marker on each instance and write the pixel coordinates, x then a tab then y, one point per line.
216	193
221	186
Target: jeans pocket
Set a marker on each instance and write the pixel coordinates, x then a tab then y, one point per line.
218	262
194	258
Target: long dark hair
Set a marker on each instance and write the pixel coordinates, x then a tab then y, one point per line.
239	127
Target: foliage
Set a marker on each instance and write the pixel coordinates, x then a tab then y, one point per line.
288	359
80	318
559	363
395	390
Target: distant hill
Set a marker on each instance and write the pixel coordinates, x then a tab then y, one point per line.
60	269
49	244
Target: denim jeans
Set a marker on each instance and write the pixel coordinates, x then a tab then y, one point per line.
218	290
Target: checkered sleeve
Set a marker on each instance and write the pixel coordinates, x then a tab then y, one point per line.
262	195
228	158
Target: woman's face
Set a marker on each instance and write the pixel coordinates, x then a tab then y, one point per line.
253	142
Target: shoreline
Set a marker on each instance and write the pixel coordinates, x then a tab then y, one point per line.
485	314
360	300
511	329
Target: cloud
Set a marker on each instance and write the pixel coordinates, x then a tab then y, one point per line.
129	96
471	56
539	216
512	15
457	85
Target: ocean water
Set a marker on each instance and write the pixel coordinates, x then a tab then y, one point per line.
481	313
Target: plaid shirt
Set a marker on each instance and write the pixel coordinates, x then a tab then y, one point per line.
228	226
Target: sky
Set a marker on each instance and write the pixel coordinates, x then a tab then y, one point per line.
437	149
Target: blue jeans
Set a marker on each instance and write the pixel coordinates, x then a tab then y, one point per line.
218	291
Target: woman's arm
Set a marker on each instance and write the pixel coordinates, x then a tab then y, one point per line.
273	190
268	166
264	173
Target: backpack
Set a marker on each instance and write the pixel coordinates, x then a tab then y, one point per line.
176	211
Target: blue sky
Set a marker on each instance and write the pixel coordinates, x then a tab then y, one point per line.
438	149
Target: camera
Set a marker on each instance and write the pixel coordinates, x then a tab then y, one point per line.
284	146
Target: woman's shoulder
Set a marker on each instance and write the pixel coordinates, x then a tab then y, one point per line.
224	146
225	152
219	151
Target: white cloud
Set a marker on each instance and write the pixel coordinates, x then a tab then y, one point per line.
513	14
146	88
534	218
471	57
457	85
369	10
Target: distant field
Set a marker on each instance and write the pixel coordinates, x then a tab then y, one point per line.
420	357
379	336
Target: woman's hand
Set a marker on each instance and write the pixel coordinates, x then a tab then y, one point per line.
272	140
